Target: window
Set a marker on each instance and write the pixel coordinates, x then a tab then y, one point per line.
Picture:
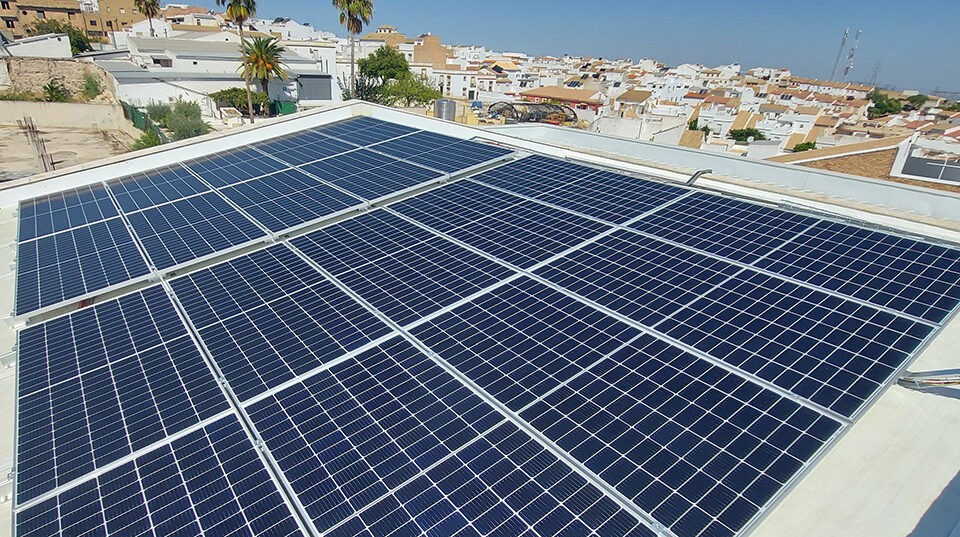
5	5
93	22
110	24
135	11
41	15
9	23
122	11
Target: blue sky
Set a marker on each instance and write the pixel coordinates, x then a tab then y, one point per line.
916	48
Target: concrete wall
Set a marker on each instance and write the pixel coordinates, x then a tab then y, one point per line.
106	117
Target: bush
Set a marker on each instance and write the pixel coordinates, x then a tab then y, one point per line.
158	112
148	139
185	120
805	146
742	135
55	92
411	90
19	96
91	86
237	98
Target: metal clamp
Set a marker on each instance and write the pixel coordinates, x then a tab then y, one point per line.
697	174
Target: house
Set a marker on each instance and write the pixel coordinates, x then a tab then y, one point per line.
40	46
587	103
632	102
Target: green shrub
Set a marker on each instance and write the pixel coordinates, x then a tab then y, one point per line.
237	98
158	112
148	139
805	146
55	92
19	96
91	86
185	120
742	135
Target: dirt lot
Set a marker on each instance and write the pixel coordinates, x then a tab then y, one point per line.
68	147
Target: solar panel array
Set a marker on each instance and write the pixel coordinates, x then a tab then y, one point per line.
541	349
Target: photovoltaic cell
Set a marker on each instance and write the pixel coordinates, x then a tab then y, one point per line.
288	198
348	435
64	210
190	228
914	277
829	350
699	448
440	152
642	278
101	407
209	482
522	340
370	175
303	147
72	263
515	230
146	189
234	166
503	483
602	194
365	130
734	229
403	270
268	317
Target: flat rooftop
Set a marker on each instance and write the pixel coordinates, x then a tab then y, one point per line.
893	471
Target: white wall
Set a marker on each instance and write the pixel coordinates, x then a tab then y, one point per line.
48	46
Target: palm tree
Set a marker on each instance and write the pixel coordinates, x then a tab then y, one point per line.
354	14
150	8
239	11
262	60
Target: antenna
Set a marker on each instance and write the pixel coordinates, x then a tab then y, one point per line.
853	49
836	64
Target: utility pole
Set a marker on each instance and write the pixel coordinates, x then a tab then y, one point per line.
836	64
876	74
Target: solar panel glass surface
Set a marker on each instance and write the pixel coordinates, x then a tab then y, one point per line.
146	189
64	210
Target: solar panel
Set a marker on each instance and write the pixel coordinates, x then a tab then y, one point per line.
190	228
699	448
515	230
76	262
403	270
641	278
831	351
370	175
365	130
914	277
734	229
288	198
209	482
64	210
303	147
110	397
522	340
268	316
229	167
391	427
503	483
146	189
440	152
609	196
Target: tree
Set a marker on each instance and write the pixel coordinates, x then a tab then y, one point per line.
917	100
79	42
185	120
353	15
367	89
804	146
693	125
742	135
262	61
882	104
385	64
239	11
149	9
411	90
